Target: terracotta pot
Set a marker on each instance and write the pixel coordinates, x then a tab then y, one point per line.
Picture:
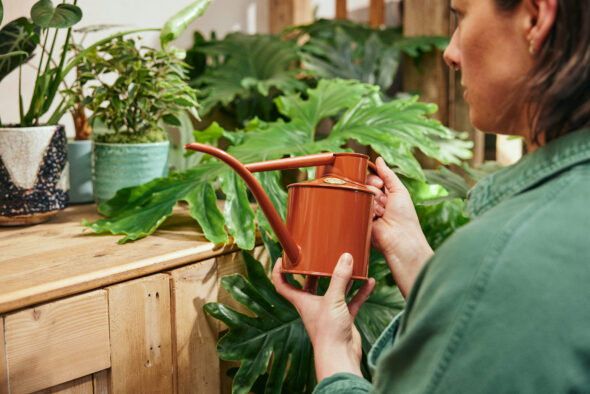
33	174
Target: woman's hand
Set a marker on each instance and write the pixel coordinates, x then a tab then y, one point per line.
396	230
329	321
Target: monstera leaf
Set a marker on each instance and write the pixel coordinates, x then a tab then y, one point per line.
248	65
275	339
393	129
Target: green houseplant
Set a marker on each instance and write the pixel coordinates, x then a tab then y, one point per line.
131	90
32	152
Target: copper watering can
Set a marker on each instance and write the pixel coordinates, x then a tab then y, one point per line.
326	217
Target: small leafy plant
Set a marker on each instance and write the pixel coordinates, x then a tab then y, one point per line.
132	89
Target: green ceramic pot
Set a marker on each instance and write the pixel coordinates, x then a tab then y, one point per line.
115	166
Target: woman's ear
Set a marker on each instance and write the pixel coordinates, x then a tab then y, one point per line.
542	15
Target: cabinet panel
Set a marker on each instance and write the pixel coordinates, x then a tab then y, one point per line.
195	332
3	372
57	342
141	354
78	386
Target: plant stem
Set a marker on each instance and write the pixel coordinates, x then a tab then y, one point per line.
20	93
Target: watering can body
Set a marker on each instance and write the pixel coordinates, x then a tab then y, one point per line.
326	217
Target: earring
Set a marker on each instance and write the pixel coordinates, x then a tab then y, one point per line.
532	50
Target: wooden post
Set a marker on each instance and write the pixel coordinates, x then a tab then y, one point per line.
341	9
437	83
285	13
377	13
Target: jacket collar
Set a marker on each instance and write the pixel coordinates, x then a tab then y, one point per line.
532	169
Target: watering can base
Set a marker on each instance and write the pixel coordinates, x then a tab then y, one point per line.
314	273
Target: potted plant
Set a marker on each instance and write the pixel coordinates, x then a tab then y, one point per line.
132	90
32	152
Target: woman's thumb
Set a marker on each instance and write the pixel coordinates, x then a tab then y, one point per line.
340	277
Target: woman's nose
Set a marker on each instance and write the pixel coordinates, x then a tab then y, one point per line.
451	55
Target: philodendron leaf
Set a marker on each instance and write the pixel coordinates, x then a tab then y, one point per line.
252	64
276	332
64	15
203	203
18	40
239	216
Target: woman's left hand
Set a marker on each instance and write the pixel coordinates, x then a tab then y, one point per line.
329	321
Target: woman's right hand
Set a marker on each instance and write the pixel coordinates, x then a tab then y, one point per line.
396	230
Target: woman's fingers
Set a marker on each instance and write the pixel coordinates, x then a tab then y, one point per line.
360	297
390	180
284	288
340	278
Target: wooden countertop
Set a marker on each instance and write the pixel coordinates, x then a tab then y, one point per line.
56	259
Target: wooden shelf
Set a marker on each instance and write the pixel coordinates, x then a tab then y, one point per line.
56	259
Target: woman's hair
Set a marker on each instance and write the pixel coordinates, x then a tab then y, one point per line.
557	90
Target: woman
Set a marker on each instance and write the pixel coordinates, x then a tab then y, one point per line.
502	306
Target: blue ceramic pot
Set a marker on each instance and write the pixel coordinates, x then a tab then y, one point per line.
115	166
79	158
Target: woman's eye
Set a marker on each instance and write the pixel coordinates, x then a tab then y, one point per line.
455	18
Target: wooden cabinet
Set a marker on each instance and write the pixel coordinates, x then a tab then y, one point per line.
81	314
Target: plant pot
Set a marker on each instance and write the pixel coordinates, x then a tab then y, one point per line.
115	166
79	159
33	174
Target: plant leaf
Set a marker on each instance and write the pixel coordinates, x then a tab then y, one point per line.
64	15
176	25
203	207
252	64
239	216
1	12
18	40
276	331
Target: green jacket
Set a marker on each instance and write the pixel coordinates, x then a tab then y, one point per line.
504	304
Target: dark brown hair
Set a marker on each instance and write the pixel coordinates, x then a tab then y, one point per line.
557	90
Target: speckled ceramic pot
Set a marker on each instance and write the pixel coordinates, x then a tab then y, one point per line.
33	174
115	166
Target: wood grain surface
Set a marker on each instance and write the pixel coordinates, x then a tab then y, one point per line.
56	259
57	342
140	322
196	333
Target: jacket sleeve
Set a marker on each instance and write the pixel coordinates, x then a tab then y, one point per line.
343	383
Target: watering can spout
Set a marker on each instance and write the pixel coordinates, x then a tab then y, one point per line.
245	172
